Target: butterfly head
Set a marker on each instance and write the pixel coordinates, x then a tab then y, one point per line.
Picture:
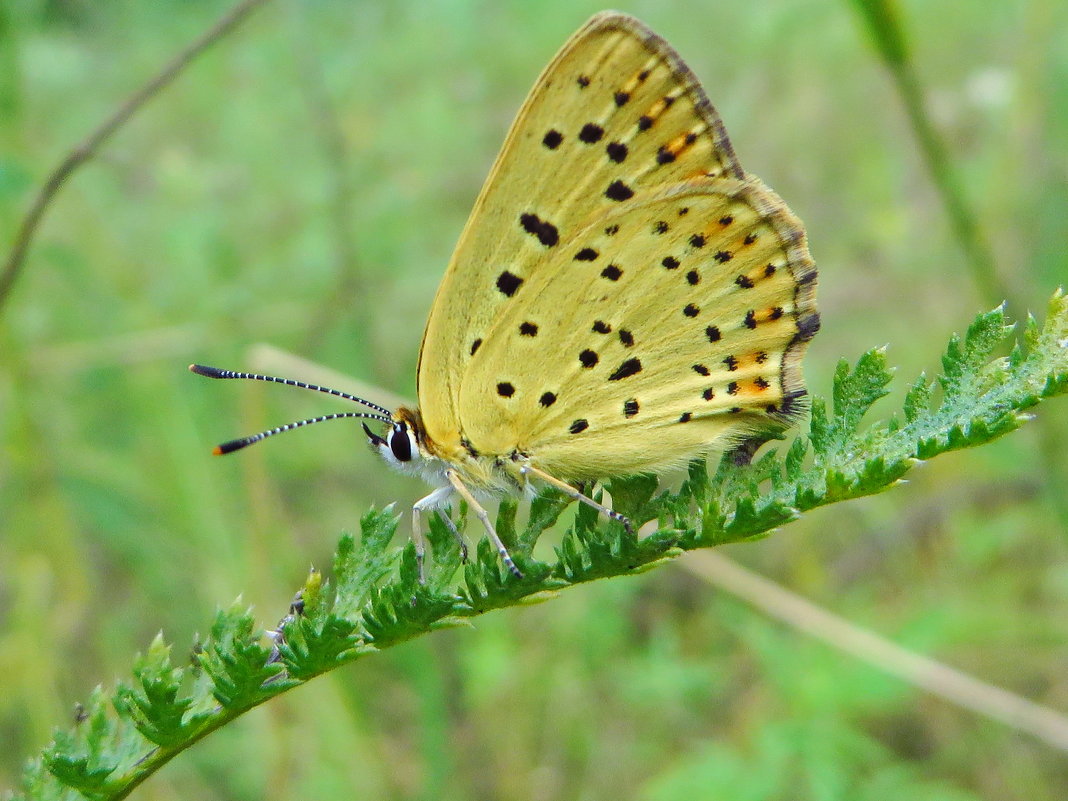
399	447
403	445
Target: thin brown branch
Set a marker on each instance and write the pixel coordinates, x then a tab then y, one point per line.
1048	725
88	148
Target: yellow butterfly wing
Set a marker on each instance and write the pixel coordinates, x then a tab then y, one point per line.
667	327
616	113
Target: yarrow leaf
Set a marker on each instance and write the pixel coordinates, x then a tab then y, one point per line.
381	597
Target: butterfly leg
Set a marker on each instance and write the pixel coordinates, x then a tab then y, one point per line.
483	516
574	494
434	500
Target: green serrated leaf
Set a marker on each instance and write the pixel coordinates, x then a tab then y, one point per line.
856	390
506	512
632	494
545	510
154	706
400	610
918	399
312	646
409	575
752	519
795	458
590	553
488	584
819	427
358	568
445	545
237	663
86	760
696	485
965	357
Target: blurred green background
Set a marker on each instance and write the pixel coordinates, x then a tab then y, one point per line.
303	185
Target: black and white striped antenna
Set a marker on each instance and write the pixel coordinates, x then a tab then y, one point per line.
381	413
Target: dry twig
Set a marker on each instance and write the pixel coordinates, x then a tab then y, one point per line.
88	148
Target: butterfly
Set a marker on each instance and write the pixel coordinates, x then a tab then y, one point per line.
624	298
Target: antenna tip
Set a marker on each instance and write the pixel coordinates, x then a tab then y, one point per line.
209	372
233	445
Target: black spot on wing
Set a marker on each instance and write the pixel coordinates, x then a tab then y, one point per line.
552	139
611	272
588	358
630	407
626	369
586	254
535	226
591	133
505	390
617	151
579	426
618	191
475	346
508	283
547	399
601	327
528	329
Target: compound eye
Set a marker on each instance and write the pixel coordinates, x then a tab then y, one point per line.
400	443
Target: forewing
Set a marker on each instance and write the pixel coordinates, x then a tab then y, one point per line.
616	114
